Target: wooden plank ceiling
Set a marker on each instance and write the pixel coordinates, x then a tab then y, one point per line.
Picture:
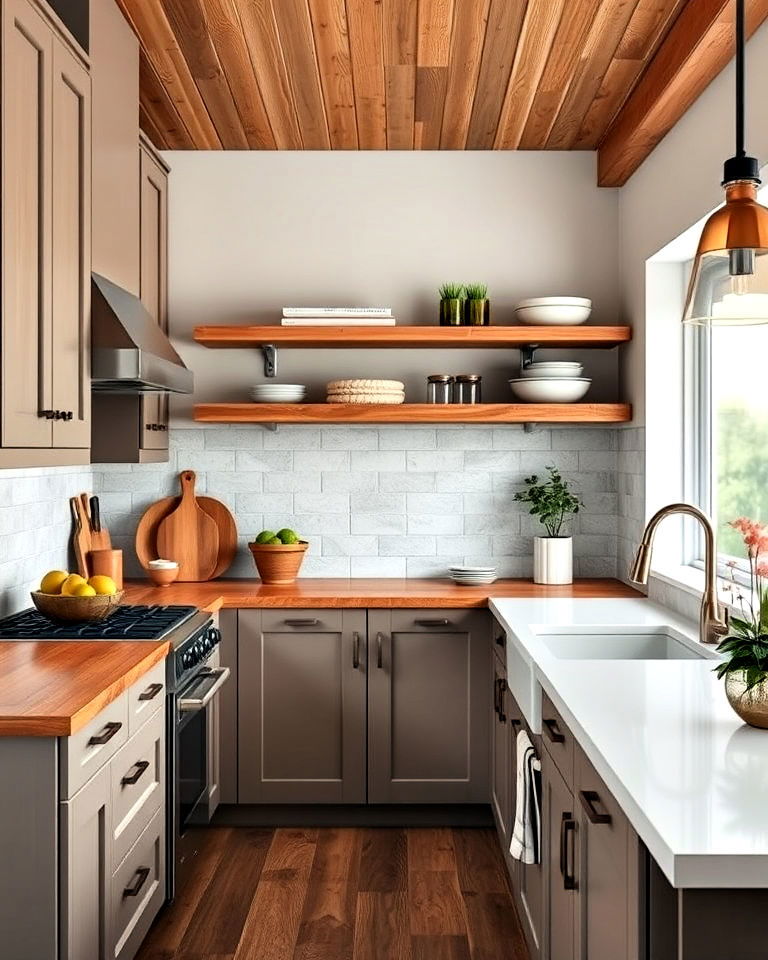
427	74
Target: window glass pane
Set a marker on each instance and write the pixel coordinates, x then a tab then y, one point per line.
740	429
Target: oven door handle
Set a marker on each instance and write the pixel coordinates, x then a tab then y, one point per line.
193	704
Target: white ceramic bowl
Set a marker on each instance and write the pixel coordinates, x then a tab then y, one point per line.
552	369
278	392
554	311
557	390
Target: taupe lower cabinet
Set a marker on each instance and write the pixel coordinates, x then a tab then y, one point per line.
355	706
46	243
302	706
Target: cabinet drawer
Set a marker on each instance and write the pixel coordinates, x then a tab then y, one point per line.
138	890
315	621
446	621
137	784
557	738
145	696
89	749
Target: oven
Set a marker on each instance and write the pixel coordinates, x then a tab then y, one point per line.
196	683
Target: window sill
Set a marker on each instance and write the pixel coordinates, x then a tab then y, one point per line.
691	580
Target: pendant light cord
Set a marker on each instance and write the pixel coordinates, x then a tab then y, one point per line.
740	78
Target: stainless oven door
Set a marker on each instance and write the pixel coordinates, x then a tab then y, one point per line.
192	744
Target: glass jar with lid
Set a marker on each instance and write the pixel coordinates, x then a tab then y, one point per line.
439	387
467	388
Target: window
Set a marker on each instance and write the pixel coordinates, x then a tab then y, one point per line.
727	450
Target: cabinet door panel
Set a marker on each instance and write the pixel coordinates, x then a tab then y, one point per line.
86	870
71	249
27	51
501	754
419	751
608	904
560	852
154	294
301	710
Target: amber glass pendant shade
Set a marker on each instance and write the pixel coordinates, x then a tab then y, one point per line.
729	282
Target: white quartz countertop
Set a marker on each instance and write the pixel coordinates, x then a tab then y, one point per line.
690	776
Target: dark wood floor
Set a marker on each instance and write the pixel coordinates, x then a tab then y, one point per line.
342	894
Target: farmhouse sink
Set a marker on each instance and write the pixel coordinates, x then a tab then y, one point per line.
641	643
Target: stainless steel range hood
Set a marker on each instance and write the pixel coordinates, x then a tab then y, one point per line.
129	351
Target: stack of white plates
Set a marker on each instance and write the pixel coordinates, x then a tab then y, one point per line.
278	392
473	576
554	311
552	369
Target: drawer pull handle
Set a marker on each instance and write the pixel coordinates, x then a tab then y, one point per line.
436	622
151	692
588	800
355	650
302	622
106	734
501	684
567	826
553	731
379	651
133	889
138	769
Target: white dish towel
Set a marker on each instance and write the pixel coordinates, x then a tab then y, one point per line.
526	833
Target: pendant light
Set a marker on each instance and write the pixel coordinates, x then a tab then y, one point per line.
729	282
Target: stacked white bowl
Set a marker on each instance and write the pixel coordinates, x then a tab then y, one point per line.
551	381
554	311
473	576
278	392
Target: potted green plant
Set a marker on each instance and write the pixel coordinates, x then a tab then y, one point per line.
452	296
745	649
553	503
477	306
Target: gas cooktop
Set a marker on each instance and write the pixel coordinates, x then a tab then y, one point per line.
126	623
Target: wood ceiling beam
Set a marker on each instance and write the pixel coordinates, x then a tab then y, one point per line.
400	28
331	33
366	43
698	46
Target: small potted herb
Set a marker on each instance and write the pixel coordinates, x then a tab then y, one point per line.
745	649
452	296
553	503
477	306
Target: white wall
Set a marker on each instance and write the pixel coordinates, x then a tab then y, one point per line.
251	232
675	188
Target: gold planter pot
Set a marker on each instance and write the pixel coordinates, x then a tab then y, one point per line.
451	313
751	705
477	313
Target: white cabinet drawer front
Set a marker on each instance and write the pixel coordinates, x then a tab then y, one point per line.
138	890
89	749
137	775
145	696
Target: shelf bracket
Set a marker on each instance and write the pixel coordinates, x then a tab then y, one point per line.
527	354
530	427
272	427
269	350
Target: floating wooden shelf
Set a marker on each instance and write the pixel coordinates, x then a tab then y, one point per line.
413	413
414	336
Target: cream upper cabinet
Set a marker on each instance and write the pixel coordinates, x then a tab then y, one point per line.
114	52
45	243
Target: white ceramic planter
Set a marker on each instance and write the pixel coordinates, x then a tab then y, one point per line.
553	560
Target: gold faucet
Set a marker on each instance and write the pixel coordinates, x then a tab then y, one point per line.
713	620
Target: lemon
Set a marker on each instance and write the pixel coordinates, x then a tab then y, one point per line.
68	587
265	536
83	590
53	581
103	585
288	536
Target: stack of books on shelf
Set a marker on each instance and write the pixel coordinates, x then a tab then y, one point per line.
337	316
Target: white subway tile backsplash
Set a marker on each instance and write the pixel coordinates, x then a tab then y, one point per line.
360	494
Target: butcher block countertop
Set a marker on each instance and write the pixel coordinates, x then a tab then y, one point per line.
52	688
338	592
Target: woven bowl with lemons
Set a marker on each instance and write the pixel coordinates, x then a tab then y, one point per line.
70	597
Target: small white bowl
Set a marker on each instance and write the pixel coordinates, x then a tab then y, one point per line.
554	311
552	369
557	390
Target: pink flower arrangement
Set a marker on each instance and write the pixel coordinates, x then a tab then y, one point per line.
754	606
754	534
